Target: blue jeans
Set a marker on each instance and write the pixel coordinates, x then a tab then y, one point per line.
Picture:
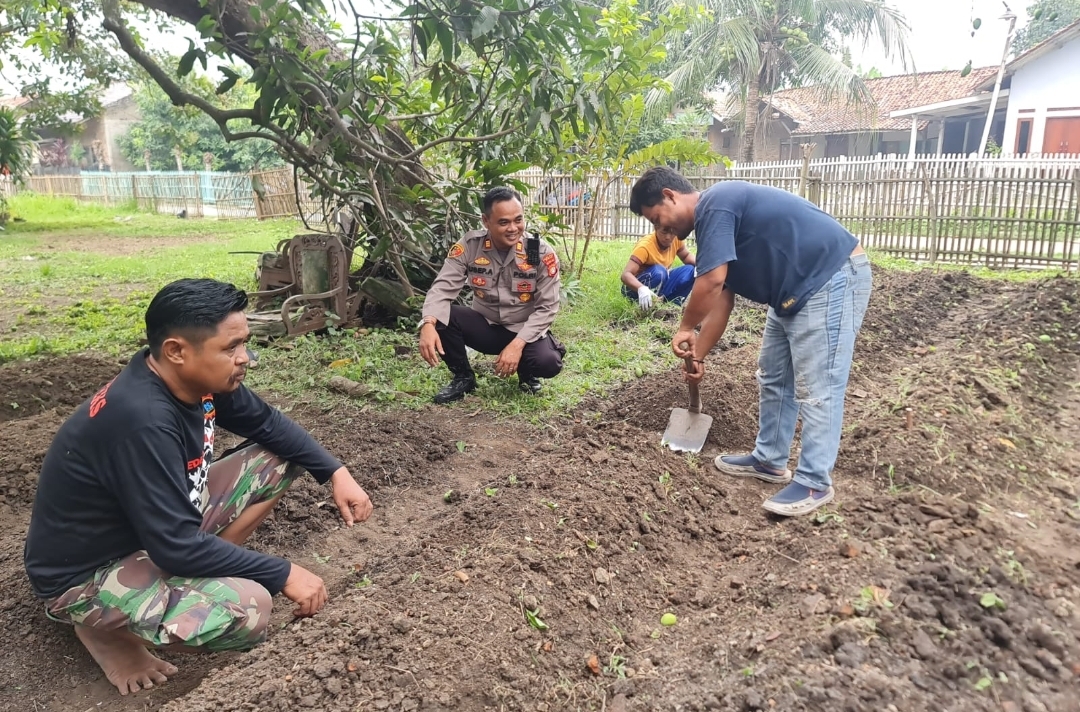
803	371
673	286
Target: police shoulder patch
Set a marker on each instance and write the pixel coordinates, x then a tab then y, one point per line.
456	250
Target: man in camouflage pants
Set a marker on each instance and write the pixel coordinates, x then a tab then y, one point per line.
136	536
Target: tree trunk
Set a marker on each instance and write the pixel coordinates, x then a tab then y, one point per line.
750	117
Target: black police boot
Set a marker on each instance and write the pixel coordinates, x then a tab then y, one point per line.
455	390
530	385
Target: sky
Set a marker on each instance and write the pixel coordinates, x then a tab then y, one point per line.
940	37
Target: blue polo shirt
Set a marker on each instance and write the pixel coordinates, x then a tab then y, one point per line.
779	248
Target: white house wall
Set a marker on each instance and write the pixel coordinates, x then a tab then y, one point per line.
1048	82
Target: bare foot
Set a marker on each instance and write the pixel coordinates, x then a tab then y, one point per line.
121	655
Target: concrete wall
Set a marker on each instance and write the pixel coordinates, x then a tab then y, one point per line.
772	133
116	120
1048	85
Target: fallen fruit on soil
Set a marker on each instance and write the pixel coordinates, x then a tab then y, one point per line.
669	619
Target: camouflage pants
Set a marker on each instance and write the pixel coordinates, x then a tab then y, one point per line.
210	613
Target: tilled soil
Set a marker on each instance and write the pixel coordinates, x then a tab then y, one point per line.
522	568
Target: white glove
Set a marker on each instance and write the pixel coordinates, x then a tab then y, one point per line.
644	297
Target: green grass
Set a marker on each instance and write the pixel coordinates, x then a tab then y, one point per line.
71	300
69	297
608	343
889	262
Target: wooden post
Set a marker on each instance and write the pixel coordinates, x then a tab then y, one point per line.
134	190
1076	220
931	213
146	159
804	174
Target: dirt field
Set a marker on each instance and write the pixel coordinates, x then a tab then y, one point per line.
947	577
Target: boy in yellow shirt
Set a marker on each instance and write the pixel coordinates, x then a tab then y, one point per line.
648	272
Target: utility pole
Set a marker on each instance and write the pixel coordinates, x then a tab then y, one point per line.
1011	17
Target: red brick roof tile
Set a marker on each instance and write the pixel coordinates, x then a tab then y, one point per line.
815	113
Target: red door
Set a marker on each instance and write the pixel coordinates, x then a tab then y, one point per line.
1062	135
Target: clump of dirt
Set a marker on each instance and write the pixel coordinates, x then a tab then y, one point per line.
31	387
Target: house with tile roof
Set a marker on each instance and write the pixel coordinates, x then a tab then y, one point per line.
837	127
1037	111
1041	91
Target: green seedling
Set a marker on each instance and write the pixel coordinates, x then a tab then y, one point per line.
461	445
491	491
992	600
669	619
534	620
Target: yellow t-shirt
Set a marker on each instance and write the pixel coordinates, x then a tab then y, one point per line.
647	252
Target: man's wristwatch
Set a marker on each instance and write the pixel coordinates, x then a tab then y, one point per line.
427	320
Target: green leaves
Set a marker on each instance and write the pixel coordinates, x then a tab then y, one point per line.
187	62
15	145
231	78
533	619
992	600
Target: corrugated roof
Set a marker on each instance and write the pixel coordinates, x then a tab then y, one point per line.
815	113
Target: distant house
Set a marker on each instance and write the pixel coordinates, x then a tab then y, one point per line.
1041	88
97	136
838	127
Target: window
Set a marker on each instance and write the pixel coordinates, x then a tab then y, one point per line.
1023	136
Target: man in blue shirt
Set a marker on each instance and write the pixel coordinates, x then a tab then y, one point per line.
775	248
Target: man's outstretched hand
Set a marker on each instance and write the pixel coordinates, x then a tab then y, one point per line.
306	590
352	501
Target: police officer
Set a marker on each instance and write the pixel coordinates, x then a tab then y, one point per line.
514	278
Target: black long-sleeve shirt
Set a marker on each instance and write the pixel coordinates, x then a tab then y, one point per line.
127	471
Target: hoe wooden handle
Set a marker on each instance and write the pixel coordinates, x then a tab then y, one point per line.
695	394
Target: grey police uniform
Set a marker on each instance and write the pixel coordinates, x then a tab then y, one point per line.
510	298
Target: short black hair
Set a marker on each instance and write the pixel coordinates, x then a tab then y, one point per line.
192	308
647	192
497	195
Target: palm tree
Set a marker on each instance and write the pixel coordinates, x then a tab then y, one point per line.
15	145
15	155
755	47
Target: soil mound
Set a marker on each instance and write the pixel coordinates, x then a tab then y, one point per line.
31	387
